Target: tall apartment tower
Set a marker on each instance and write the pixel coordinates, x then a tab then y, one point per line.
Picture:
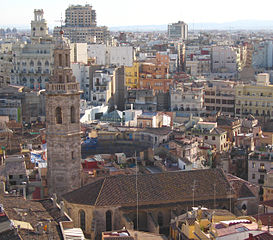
83	16
63	124
39	25
178	30
81	26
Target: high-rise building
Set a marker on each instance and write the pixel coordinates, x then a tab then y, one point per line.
178	30
79	15
81	26
63	124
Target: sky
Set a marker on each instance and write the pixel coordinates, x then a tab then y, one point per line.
139	12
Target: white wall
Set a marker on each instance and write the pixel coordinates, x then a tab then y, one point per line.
107	55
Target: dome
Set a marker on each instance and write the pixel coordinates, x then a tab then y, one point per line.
62	42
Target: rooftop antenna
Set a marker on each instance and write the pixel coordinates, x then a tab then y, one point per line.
193	189
136	193
61	21
214	195
230	199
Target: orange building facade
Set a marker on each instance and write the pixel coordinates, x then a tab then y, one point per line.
155	74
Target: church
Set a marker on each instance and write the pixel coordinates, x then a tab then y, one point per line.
147	202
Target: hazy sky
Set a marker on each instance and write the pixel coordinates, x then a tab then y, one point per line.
140	12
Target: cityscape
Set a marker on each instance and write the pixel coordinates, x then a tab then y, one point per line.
135	132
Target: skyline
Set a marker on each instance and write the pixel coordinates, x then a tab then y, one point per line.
123	13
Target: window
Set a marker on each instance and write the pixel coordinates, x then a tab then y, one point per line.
60	60
160	219
66	60
72	114
59	115
253	165
213	138
82	219
253	176
108	217
206	137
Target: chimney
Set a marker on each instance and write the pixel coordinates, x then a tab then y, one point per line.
199	213
54	198
2	187
250	237
24	190
62	208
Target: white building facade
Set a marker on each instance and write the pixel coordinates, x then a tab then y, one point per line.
187	100
111	55
33	61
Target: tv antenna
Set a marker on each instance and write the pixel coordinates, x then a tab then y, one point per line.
61	21
136	193
193	189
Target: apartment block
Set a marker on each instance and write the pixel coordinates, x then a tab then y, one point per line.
81	26
103	54
178	30
219	95
255	99
132	76
224	59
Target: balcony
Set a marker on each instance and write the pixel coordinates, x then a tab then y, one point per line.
261	181
262	170
63	87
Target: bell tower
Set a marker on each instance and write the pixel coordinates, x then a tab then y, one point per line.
39	25
63	124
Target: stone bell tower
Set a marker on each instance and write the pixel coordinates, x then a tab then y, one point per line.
63	124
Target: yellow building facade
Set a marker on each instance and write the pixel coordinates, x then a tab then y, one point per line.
132	76
254	99
268	187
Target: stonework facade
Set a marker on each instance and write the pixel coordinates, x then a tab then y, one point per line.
63	124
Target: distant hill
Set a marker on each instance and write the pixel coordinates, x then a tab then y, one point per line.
235	25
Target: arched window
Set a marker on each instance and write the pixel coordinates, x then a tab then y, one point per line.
47	63
72	114
39	63
59	115
160	219
108	217
31	63
82	219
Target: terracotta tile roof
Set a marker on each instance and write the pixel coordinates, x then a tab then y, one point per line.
262	236
268	203
267	219
242	188
85	195
191	221
164	187
33	213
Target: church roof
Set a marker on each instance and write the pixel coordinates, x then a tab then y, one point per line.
243	188
157	188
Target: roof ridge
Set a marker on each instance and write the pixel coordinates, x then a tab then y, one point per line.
100	192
